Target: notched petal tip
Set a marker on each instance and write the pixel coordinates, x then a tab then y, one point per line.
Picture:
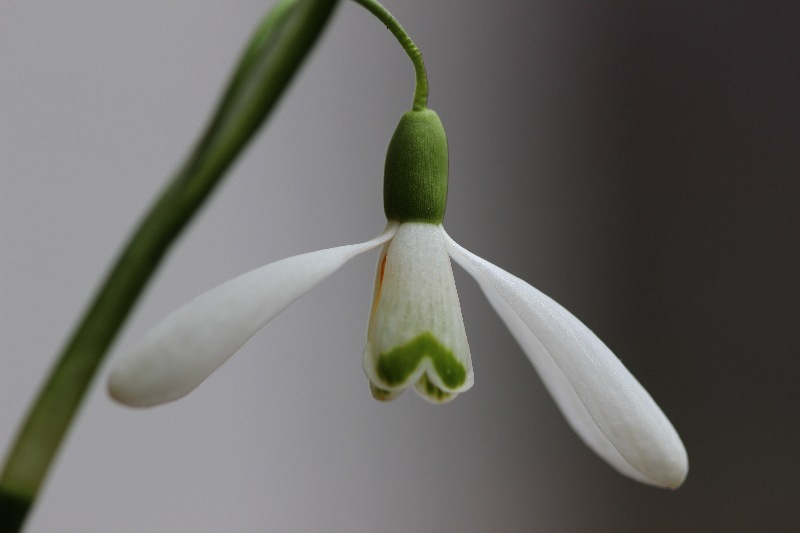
384	395
430	392
424	387
435	373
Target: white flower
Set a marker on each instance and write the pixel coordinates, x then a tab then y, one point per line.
416	337
416	334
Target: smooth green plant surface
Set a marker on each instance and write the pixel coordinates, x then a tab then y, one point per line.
272	57
415	174
416	171
391	23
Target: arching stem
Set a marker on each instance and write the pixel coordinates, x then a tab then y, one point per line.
421	89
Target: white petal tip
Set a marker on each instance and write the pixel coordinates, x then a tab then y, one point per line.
132	389
674	472
123	395
599	397
656	456
120	395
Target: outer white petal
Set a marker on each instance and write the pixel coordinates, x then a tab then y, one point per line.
183	350
600	399
416	333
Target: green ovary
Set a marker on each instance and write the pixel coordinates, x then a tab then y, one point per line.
396	366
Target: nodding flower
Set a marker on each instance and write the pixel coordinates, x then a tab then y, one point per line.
416	335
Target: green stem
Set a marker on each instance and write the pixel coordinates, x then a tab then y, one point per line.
421	89
273	56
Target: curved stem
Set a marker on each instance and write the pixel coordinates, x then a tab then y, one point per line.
272	58
421	89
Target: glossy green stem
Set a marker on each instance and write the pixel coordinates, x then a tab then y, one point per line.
273	56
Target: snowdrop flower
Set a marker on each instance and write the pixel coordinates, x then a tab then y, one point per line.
416	335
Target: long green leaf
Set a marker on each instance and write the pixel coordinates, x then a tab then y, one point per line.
272	57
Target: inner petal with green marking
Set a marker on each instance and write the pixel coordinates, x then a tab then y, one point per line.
416	333
396	366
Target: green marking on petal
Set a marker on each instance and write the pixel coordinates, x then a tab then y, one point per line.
432	391
396	366
382	394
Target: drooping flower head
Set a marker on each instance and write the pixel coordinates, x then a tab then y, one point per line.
415	334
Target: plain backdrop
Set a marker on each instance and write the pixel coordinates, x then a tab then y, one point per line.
636	160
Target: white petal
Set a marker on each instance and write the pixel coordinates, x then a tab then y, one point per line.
416	333
600	399
183	350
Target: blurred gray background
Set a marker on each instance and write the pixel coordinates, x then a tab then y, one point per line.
636	160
